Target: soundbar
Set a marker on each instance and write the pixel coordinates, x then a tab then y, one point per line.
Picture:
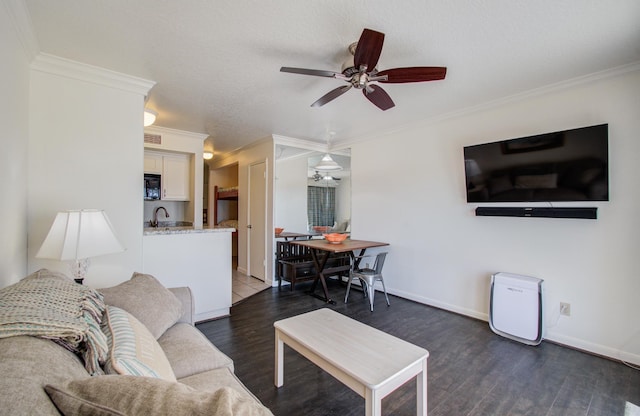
590	213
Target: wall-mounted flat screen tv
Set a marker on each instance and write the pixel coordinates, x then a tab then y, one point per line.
569	165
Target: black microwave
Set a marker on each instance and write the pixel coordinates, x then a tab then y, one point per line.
152	185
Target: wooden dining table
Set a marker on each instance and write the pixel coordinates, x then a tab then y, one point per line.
294	236
322	249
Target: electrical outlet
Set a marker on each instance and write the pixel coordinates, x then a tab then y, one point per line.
565	309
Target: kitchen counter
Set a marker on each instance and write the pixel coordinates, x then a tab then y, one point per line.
185	230
197	258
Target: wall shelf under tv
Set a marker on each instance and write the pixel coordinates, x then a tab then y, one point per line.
590	213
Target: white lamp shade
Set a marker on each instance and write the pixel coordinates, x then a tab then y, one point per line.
327	163
79	235
472	168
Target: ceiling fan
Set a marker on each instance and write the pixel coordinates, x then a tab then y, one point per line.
319	177
363	72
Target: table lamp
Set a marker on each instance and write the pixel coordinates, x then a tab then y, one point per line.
78	235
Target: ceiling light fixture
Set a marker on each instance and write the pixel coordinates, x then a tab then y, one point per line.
207	155
149	116
327	163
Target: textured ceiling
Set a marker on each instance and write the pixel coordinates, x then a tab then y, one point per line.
216	63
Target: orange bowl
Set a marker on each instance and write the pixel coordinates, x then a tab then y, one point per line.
335	238
279	230
321	228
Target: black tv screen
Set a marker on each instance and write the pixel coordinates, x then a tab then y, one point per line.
569	165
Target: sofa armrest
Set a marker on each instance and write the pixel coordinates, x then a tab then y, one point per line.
186	297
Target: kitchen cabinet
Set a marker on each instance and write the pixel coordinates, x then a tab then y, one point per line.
175	178
174	168
152	163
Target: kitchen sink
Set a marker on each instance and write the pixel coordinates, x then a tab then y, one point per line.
169	224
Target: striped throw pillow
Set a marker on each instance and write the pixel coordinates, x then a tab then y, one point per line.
133	350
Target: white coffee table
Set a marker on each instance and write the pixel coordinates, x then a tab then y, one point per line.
370	362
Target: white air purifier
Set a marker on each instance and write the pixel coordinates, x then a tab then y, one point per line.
515	310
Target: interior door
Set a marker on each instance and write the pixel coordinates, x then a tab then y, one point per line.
256	228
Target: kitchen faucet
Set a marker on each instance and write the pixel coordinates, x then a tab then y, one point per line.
154	221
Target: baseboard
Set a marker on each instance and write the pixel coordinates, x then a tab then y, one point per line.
565	341
590	213
592	348
209	315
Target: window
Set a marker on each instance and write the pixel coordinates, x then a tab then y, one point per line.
321	205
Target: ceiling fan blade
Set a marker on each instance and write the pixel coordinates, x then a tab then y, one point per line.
331	95
368	49
413	74
314	72
378	97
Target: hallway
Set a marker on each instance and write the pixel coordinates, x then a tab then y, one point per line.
243	286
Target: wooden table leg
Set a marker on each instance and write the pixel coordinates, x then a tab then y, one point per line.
319	265
279	367
357	259
421	393
372	403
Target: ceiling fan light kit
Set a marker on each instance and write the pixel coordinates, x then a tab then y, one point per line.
362	72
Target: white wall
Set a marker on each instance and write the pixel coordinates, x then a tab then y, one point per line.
14	130
441	254
290	198
343	200
86	151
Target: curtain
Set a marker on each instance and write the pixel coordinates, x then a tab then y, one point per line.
321	205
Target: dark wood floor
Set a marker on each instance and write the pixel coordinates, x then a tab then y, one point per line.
471	370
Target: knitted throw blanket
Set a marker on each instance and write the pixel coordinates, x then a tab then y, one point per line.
52	306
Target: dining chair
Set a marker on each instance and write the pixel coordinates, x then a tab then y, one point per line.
368	277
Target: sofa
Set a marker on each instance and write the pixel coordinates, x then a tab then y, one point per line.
131	349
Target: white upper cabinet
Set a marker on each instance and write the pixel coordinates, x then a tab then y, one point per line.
152	163
175	178
174	168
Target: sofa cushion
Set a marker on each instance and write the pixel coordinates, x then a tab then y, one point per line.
27	364
128	395
132	349
144	297
190	352
214	379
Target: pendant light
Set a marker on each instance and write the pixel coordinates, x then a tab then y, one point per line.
327	163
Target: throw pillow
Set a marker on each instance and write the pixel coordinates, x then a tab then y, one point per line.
132	349
126	395
148	300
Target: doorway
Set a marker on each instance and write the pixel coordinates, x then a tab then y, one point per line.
222	202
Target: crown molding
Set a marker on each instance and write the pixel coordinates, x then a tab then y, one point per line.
165	130
19	16
76	70
299	143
